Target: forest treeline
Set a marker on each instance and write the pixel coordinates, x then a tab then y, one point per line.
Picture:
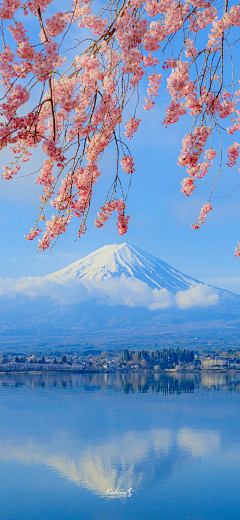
166	358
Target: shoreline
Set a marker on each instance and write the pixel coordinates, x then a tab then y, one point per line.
121	371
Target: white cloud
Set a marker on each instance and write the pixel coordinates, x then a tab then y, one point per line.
198	295
199	443
115	291
65	291
162	299
131	292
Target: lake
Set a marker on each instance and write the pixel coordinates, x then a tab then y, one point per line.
136	446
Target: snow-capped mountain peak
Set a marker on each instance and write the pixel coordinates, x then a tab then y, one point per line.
127	261
116	289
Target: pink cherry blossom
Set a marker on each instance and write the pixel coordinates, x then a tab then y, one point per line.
131	126
71	101
128	164
233	153
202	216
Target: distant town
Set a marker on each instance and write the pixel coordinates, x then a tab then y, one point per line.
168	360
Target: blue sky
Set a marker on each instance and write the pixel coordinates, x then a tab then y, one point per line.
161	216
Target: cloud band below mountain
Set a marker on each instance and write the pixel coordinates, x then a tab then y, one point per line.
130	292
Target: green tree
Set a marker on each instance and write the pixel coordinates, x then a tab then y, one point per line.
126	355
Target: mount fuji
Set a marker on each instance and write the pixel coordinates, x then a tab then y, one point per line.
115	296
126	261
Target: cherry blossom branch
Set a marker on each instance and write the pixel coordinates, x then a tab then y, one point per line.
81	110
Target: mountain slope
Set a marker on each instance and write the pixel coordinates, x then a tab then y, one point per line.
123	293
129	262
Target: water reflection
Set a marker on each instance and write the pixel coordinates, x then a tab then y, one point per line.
110	440
132	460
143	382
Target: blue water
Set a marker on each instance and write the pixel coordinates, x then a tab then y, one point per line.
70	443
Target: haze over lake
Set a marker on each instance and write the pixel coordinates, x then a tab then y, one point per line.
69	441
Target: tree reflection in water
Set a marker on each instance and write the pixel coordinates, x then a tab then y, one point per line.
128	382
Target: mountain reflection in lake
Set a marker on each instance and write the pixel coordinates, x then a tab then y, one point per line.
69	441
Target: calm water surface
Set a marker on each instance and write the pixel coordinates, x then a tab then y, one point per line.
67	442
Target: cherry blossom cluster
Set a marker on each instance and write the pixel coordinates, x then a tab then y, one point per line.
8	9
128	164
131	126
106	212
122	223
229	19
237	251
55	25
54	227
193	147
10	172
47	180
233	153
33	233
202	216
154	81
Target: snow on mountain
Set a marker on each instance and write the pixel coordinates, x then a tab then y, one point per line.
126	261
121	291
